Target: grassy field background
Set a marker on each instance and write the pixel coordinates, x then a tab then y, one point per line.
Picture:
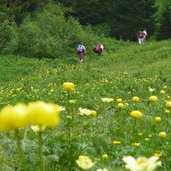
126	70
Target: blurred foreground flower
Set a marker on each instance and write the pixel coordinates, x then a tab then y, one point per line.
107	100
84	162
13	117
68	86
141	163
41	113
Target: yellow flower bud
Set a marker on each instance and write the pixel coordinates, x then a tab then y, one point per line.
168	104
153	98
135	99
68	86
157	119
105	156
117	142
136	114
162	92
163	134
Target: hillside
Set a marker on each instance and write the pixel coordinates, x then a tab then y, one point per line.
127	70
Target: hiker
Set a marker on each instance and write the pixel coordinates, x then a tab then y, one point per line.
81	51
145	34
140	37
99	49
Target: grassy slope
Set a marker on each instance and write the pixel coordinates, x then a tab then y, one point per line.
114	74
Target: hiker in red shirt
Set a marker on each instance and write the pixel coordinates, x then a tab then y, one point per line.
99	49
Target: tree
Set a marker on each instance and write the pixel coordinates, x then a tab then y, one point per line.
127	17
163	20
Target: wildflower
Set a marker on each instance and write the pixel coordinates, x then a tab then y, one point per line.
168	104
107	100
120	105
136	114
162	92
119	100
158	154
41	113
136	144
167	111
153	98
84	111
140	134
68	86
151	89
135	99
72	102
147	139
141	163
117	142
158	119
37	128
13	117
150	135
93	113
163	134
97	159
84	162
105	156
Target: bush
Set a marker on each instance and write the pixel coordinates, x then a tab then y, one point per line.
8	37
49	34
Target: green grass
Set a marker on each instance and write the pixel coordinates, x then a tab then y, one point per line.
127	70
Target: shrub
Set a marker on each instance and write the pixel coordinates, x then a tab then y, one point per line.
8	37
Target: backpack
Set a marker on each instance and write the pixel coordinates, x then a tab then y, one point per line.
97	47
79	48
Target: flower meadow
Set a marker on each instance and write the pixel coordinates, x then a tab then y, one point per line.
94	116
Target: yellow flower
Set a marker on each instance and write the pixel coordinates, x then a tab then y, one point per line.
168	104
37	128
93	113
162	92
117	142
153	98
158	119
120	105
119	100
97	159
167	111
84	111
163	134
84	162
136	114
41	113
107	100
158	154
141	163
147	139
136	144
13	117
68	86
72	102
105	156
135	99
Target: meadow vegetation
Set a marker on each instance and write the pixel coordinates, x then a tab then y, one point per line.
131	77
